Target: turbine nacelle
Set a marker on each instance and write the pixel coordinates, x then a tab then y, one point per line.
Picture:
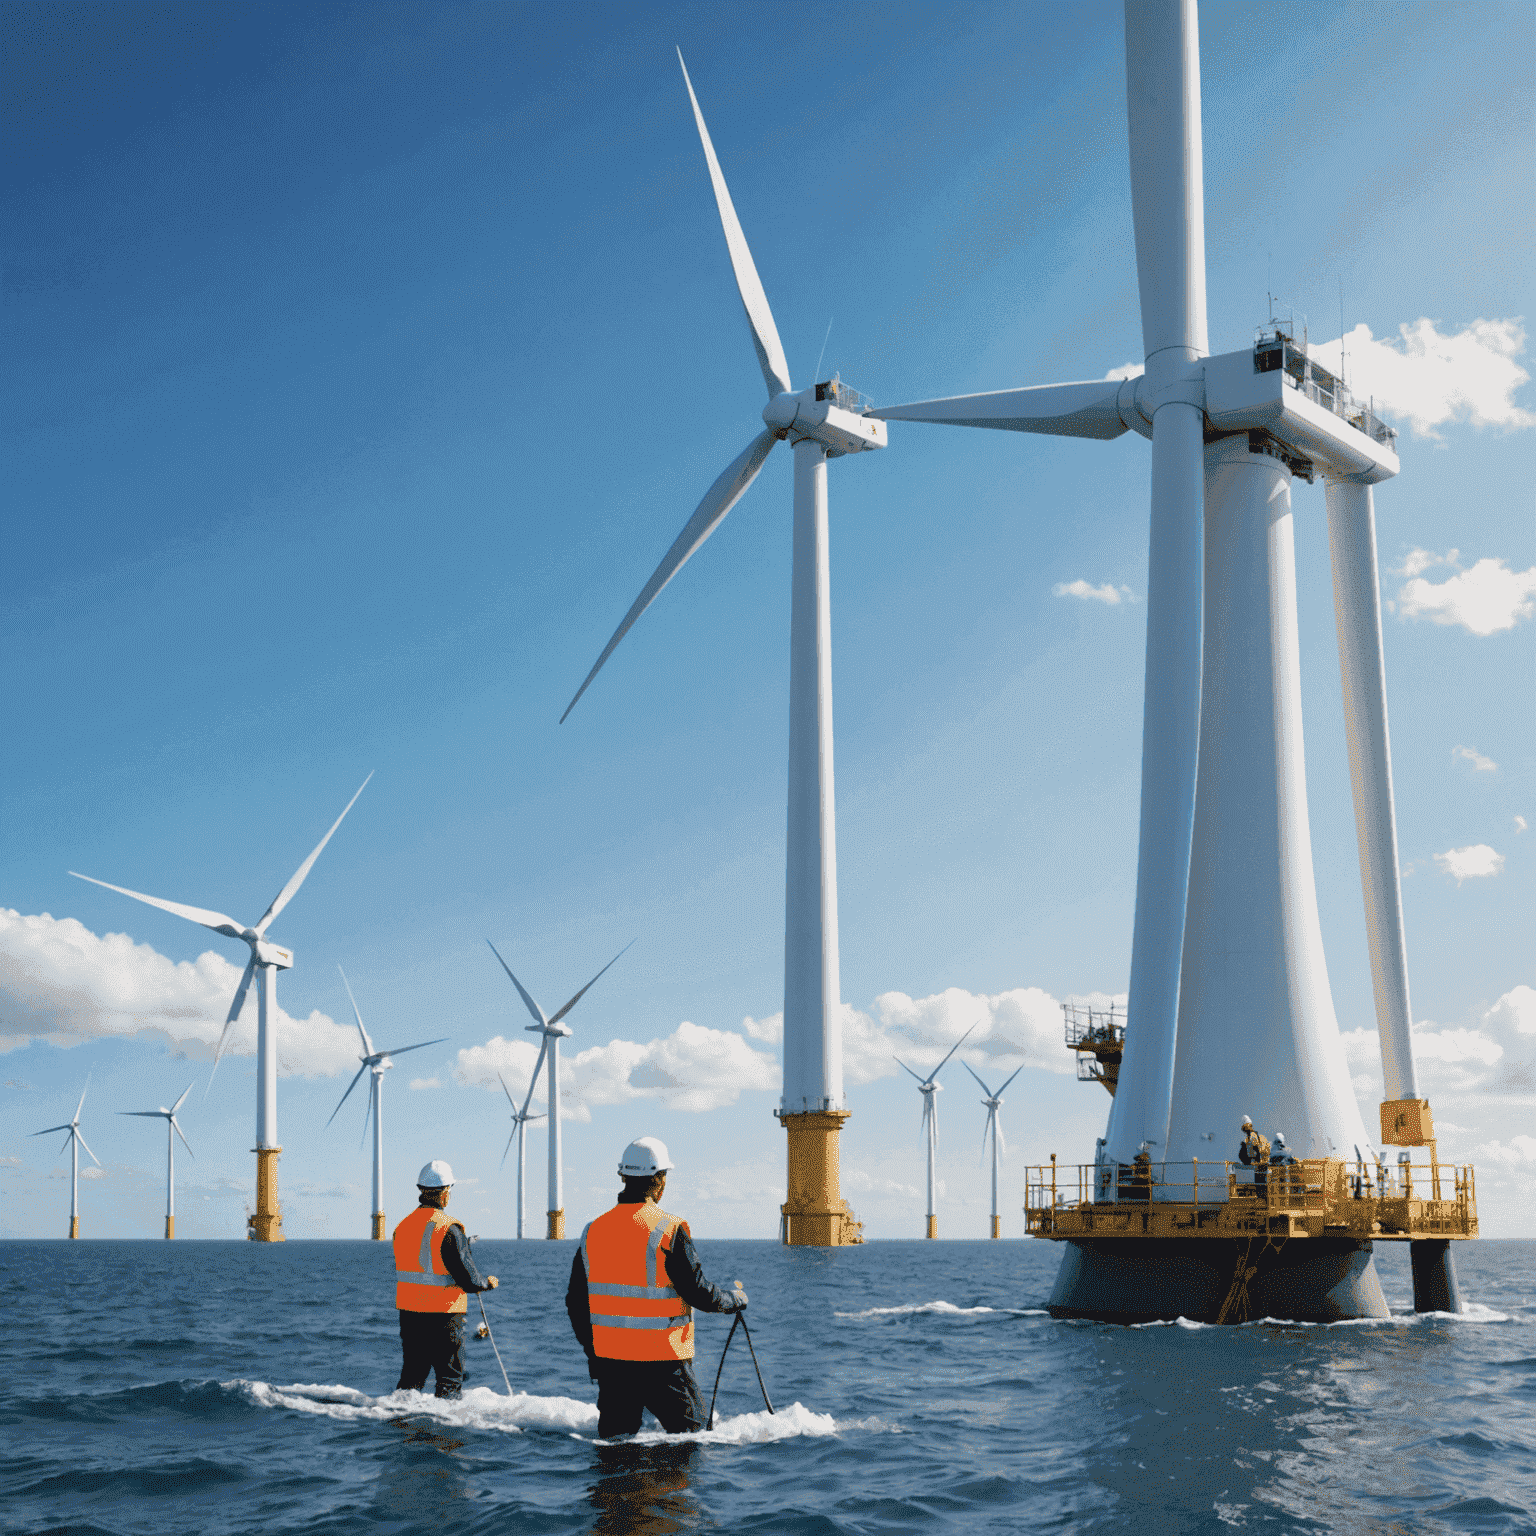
822	413
267	953
557	1028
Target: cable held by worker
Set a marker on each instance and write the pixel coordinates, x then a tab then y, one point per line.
434	1273
635	1284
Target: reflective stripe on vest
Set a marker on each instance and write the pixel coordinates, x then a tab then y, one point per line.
636	1313
422	1281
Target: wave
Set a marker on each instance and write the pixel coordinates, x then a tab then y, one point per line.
1475	1313
944	1309
481	1408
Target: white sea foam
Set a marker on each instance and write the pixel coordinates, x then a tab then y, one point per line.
481	1408
1475	1312
944	1309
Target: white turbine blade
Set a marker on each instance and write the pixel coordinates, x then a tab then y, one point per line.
905	1068
594	980
286	895
987	1129
533	1007
727	490
418	1047
510	1100
81	1140
984	1088
997	1131
1089	409
187	1144
510	1140
49	1130
1000	1092
367	1118
534	1077
350	1087
532	1118
147	1114
81	1104
214	920
183	1099
367	1043
950	1052
231	1016
1162	77
765	335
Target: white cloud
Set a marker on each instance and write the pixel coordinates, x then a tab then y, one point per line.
1418	561
94	1173
859	1182
10	1162
693	1069
1485	599
1521	1150
1471	863
418	1083
1127	371
1476	758
1516	1010
1456	1047
59	982
1432	377
1108	593
1520	823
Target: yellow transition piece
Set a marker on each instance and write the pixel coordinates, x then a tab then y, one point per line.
815	1214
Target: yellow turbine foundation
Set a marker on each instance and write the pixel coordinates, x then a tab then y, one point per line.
556	1224
170	1227
74	1226
933	1227
378	1226
996	1224
266	1226
816	1215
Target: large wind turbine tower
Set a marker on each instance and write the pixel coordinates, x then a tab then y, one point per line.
1230	1010
74	1141
823	422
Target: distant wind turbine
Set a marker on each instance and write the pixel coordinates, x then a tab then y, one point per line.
172	1130
551	1031
520	1118
74	1142
269	958
994	1129
929	1087
821	422
379	1063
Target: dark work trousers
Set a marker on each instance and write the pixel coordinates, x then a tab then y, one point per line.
432	1341
625	1388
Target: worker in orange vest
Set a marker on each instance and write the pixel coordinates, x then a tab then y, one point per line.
433	1273
635	1282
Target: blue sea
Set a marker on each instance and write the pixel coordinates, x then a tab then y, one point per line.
228	1387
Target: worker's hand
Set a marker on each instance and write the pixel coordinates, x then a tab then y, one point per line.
491	1282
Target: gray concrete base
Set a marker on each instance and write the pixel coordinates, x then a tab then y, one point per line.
1434	1276
1308	1280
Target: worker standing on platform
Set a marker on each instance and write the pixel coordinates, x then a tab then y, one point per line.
635	1280
1254	1153
433	1273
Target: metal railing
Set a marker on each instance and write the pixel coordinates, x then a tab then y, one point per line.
1093	1026
1322	387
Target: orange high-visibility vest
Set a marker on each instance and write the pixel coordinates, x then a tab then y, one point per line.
636	1312
422	1281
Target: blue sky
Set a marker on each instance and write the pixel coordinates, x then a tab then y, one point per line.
365	359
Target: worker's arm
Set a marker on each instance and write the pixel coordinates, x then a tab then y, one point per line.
577	1307
687	1277
459	1264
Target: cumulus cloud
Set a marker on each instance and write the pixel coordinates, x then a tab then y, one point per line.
61	983
419	1083
861	1182
1515	1011
1520	824
1484	599
1475	862
1476	758
1127	371
1520	1151
1428	377
692	1069
1107	593
1417	561
92	1172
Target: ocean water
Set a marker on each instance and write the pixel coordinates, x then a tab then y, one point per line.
228	1387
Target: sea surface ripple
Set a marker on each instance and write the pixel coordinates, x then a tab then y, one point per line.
229	1387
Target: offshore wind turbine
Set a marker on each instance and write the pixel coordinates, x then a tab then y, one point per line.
74	1142
994	1130
1229	996
172	1131
377	1062
821	422
520	1119
930	1087
550	1031
269	959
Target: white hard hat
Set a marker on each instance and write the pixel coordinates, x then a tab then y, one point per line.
1247	1120
1279	1138
644	1158
436	1175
